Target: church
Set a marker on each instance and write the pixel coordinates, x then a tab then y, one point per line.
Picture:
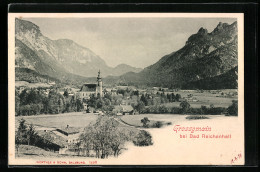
88	89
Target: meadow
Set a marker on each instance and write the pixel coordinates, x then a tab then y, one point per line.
206	98
135	120
31	85
73	119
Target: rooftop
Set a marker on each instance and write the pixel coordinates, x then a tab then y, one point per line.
88	87
68	130
123	108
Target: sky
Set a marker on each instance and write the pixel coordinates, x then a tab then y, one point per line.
138	42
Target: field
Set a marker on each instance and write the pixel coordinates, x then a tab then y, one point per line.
27	151
81	120
31	85
135	120
206	98
74	119
52	122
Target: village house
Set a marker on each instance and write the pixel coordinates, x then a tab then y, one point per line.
123	110
71	135
55	142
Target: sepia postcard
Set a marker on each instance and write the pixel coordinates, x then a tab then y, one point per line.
99	89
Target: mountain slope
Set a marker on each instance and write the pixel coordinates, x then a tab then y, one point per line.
205	55
62	59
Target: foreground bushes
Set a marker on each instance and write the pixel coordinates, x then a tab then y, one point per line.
233	109
143	138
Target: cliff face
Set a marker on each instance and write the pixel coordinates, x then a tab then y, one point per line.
205	55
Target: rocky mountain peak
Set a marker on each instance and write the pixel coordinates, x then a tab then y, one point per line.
202	31
22	26
222	27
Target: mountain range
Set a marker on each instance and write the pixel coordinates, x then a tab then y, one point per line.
206	61
62	59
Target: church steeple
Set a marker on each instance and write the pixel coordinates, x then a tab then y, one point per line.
99	84
99	79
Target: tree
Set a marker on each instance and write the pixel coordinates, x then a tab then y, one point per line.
204	109
20	135
108	96
233	109
66	94
86	140
185	106
104	137
23	97
145	122
99	103
17	103
79	105
173	97
144	100
30	134
17	143
139	107
177	97
117	141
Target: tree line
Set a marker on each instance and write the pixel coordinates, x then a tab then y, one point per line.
185	108
35	101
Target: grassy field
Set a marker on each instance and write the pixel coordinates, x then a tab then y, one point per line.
27	151
136	119
31	85
73	119
206	98
81	120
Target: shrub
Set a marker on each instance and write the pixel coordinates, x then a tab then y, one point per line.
197	117
157	124
145	122
233	109
169	123
185	106
143	138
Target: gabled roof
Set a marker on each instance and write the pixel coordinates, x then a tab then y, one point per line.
88	87
123	108
127	108
53	138
68	130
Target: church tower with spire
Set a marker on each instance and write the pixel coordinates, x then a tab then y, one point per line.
99	85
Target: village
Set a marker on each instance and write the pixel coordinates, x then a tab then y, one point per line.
99	100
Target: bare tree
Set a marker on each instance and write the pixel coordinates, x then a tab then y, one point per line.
104	137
